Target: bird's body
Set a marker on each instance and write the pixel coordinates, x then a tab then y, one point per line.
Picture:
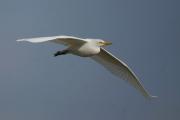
85	50
93	48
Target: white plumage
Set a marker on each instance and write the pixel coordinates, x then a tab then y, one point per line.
93	48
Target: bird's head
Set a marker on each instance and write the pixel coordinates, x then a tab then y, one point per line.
102	43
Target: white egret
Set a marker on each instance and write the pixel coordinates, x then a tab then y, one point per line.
93	48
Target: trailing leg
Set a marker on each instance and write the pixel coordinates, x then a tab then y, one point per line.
63	52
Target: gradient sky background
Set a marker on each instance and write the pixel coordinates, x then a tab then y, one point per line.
36	86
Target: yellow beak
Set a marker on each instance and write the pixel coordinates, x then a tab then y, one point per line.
107	43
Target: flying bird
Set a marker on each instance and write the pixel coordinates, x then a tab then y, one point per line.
93	48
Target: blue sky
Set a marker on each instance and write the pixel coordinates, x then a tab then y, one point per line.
35	85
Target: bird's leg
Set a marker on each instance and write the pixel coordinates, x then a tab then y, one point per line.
63	52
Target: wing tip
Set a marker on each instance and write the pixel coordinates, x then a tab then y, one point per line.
150	97
19	40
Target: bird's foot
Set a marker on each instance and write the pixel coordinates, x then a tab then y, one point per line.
60	53
57	53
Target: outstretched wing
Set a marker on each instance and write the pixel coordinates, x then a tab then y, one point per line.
120	69
65	40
